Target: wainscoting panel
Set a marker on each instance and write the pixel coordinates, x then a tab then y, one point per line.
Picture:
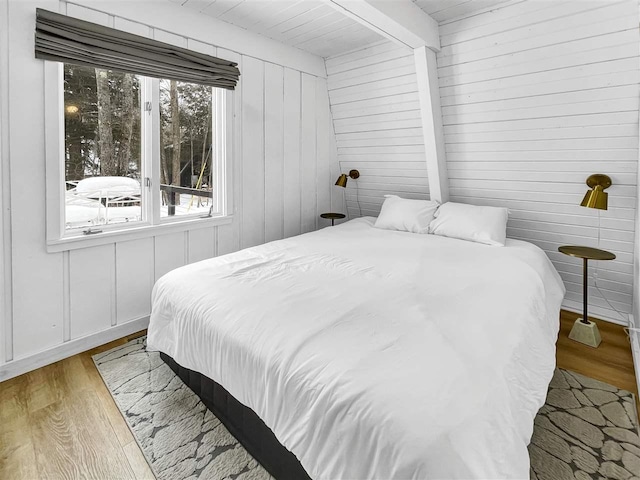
36	276
253	152
91	288
134	279
169	252
229	235
65	301
308	143
274	133
201	244
291	143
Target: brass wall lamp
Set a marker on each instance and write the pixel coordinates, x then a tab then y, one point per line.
342	179
597	197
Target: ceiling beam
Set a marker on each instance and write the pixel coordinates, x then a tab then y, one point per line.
399	20
432	129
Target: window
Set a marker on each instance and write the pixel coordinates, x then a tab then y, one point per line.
138	151
102	147
186	147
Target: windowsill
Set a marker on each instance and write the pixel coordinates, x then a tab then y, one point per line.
134	233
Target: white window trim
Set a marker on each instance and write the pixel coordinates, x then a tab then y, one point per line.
58	239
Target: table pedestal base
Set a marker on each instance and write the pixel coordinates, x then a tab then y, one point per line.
586	333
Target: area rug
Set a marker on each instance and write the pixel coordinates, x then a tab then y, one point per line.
586	430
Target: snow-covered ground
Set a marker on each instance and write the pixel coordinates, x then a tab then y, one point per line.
189	205
85	204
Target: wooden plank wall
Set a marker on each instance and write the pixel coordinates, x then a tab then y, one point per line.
536	96
376	116
282	127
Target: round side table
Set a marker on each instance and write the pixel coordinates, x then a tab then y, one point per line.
332	216
585	331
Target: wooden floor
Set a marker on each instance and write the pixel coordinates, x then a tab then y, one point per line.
60	422
611	362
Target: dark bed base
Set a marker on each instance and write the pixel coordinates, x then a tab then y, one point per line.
243	423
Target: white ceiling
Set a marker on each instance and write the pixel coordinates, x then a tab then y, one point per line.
445	10
313	25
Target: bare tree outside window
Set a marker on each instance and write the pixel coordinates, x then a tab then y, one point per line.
102	147
186	147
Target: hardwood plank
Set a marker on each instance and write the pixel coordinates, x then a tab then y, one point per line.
137	462
101	454
73	440
611	362
17	454
108	405
53	437
59	416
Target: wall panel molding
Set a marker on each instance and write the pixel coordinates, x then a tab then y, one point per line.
67	301
6	310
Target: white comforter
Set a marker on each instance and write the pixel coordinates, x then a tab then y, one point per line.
372	353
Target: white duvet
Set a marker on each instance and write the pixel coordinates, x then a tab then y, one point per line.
375	354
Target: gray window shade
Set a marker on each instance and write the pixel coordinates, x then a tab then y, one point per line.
66	39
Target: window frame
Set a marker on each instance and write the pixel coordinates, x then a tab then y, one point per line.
60	239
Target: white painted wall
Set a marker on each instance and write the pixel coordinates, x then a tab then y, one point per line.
536	96
284	169
376	116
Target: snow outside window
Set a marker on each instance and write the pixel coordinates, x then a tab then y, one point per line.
139	151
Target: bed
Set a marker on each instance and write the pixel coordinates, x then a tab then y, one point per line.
371	353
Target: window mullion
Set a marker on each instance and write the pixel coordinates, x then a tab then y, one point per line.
152	160
220	132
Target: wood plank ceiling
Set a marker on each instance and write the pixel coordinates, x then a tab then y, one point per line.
445	10
313	25
310	25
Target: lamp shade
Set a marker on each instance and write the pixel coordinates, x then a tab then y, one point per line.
597	197
342	181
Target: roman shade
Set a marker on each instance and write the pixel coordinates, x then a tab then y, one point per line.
66	39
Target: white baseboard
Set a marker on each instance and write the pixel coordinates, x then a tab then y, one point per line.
26	364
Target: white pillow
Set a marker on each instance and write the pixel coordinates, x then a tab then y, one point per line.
406	215
486	225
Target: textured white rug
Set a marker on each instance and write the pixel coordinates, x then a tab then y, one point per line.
180	438
586	430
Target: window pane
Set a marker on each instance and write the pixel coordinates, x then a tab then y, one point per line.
186	148
102	147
